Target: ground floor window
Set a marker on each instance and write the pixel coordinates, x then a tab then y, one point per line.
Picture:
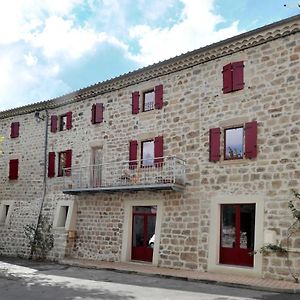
237	234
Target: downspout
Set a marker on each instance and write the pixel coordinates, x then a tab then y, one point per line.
44	179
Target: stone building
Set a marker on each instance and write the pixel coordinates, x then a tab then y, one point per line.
188	163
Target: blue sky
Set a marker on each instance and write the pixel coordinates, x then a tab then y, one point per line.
52	47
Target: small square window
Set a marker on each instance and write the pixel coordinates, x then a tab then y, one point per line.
62	216
62	158
147	153
234	143
148	101
63	123
4	209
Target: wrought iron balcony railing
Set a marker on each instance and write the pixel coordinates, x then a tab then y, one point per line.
166	173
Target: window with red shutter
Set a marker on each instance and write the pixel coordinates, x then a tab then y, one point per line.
159	96
69	120
135	103
51	164
214	144
133	154
233	77
14	133
237	75
158	151
97	113
13	169
53	123
251	140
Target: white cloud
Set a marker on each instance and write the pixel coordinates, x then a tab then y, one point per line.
30	59
195	29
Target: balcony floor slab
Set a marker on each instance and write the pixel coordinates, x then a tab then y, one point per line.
126	188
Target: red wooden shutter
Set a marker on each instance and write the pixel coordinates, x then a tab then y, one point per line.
251	139
135	103
14	129
227	79
214	144
133	145
93	114
51	164
237	75
13	169
68	162
53	123
158	151
159	96
99	113
69	120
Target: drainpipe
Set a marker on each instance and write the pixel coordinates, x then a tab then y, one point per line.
38	119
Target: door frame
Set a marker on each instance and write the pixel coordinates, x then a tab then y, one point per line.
215	231
127	232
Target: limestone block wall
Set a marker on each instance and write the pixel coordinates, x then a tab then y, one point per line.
271	97
24	194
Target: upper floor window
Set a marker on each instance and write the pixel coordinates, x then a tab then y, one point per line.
152	152
239	142
62	159
13	169
233	77
14	132
97	113
233	143
64	122
152	99
148	101
147	153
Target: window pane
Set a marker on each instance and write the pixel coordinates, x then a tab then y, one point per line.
138	233
228	226
63	123
149	101
234	143
62	163
148	153
247	226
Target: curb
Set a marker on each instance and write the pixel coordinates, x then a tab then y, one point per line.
186	278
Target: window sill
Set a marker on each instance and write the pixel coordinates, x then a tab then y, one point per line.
231	162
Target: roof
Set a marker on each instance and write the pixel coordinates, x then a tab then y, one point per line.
220	49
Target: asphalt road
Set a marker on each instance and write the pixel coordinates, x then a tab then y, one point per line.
21	279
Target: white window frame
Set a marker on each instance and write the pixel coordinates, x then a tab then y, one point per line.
4	218
70	221
214	234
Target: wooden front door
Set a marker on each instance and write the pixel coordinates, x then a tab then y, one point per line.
143	230
237	234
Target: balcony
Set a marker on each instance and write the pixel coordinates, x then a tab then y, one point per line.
167	173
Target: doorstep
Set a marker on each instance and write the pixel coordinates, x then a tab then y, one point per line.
255	283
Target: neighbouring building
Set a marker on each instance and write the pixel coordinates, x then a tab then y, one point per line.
188	163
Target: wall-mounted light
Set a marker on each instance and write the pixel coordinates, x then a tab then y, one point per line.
37	116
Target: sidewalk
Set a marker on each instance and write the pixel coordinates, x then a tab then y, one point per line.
272	285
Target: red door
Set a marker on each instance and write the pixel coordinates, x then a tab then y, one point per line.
237	234
143	229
